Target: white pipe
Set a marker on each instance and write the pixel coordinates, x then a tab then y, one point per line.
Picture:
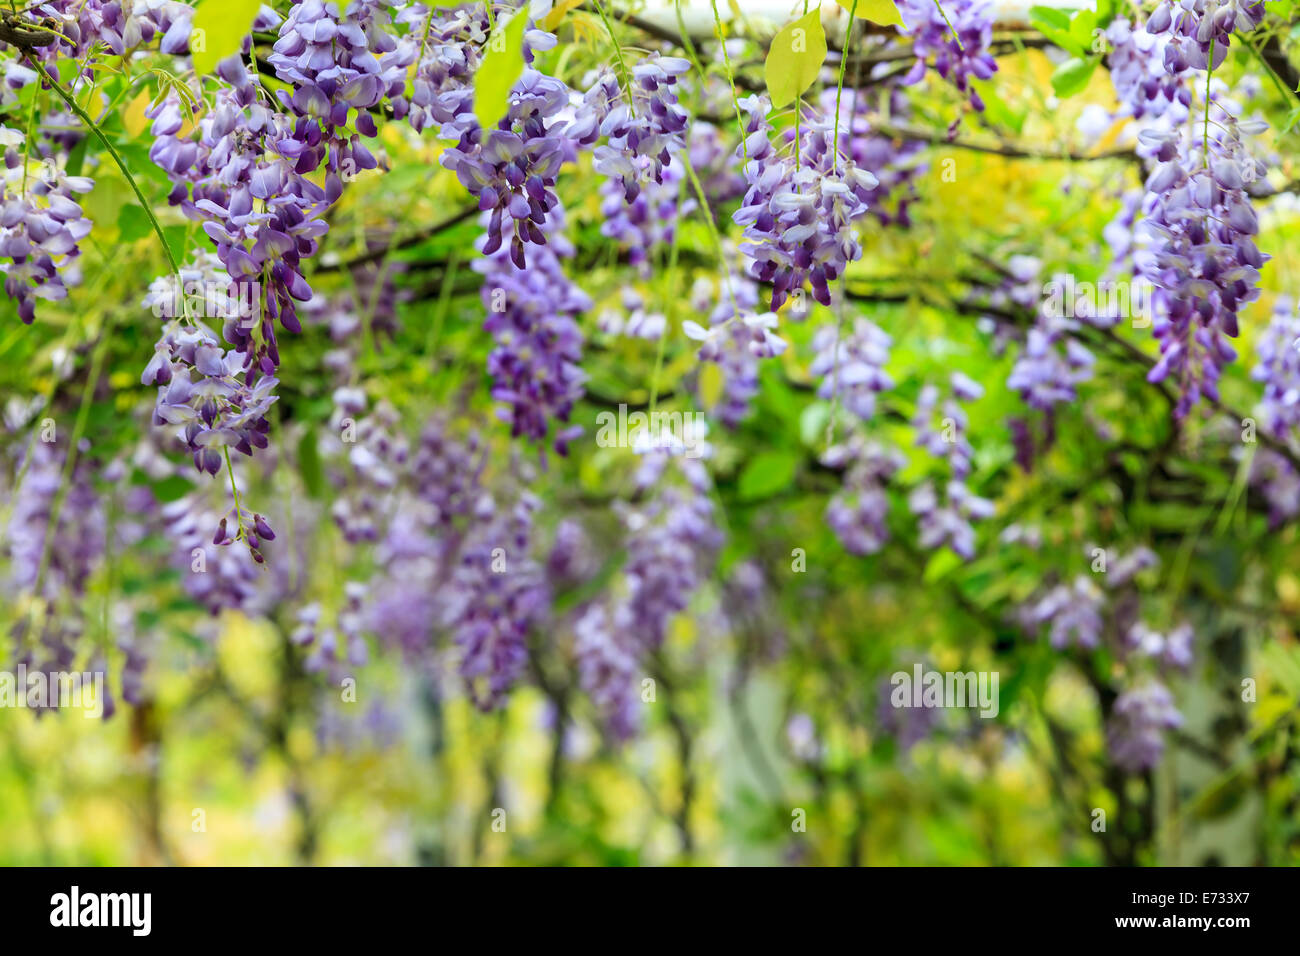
697	15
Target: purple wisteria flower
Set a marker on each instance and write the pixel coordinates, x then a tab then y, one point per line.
1101	611
851	365
952	37
1278	411
218	578
342	63
511	169
907	725
799	211
1072	612
710	157
947	518
896	164
735	342
642	126
67	551
857	513
450	48
241	175
670	539
649	221
1135	732
1278	369
1051	364
203	391
1201	30
608	670
1172	651
1144	87
375	452
665	542
121	28
851	368
40	226
499	594
532	317
1203	260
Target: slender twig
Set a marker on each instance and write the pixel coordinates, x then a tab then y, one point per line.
731	80
117	158
618	55
374	255
839	89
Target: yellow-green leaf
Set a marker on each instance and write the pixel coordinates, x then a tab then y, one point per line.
711	383
795	59
133	119
503	64
552	19
883	12
219	29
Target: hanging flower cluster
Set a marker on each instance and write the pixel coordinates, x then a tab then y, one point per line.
799	211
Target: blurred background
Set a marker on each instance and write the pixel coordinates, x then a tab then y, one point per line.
319	709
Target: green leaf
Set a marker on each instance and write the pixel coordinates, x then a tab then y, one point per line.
1081	26
497	73
883	12
1051	16
132	223
309	465
77	158
998	111
219	30
941	564
167	489
1221	797
812	424
795	59
1055	25
176	237
1072	76
767	473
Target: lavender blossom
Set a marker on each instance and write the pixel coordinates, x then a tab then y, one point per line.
953	39
242	174
642	126
1203	262
799	211
40	227
532	317
851	366
1135	732
857	512
499	593
341	65
1200	30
